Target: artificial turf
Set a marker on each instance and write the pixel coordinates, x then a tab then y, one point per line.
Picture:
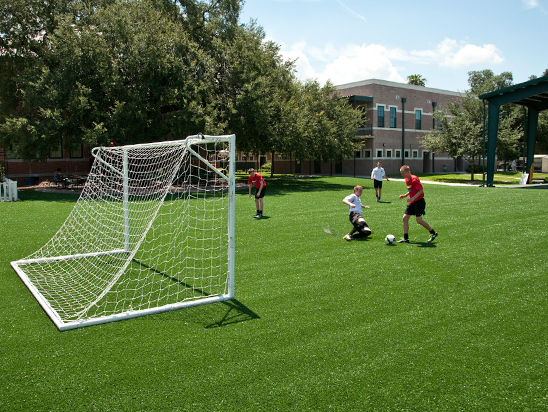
318	323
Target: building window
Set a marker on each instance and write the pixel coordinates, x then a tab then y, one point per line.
380	116
57	152
439	126
398	154
357	154
367	153
406	153
388	153
392	117
77	152
415	154
379	152
418	118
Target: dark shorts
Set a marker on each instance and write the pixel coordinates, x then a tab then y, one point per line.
377	184
263	190
416	208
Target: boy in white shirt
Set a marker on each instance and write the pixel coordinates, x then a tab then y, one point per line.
356	215
377	175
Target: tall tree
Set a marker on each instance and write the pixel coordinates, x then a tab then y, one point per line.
416	79
461	125
116	75
485	81
127	71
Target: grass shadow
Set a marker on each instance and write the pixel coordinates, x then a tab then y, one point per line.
34	195
424	244
285	186
236	312
214	315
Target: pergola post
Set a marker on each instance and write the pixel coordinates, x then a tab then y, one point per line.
532	123
492	130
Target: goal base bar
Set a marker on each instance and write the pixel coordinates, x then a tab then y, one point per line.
62	326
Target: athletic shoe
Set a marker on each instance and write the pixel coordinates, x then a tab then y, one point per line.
435	235
257	215
403	241
347	237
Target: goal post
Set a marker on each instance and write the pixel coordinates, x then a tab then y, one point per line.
152	231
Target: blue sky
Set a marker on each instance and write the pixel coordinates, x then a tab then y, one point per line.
352	40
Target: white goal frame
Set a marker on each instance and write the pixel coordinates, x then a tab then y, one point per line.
126	253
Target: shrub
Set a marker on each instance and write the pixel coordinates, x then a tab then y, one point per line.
477	169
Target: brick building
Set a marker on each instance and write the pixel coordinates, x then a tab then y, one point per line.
388	131
71	162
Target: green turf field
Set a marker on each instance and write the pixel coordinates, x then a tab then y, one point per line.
318	323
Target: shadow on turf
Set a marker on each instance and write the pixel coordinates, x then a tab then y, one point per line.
423	244
227	312
284	186
236	312
218	315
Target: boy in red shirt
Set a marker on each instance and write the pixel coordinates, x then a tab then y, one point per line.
255	179
416	205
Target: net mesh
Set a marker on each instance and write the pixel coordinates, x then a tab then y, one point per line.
150	230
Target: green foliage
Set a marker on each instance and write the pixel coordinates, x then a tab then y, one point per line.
462	124
317	323
541	146
486	81
474	169
104	71
416	79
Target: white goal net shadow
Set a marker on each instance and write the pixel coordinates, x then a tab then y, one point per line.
152	231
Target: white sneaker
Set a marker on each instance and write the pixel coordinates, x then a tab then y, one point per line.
347	237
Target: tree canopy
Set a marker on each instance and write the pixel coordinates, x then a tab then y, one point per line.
460	131
416	79
131	71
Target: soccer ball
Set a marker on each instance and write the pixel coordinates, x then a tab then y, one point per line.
390	239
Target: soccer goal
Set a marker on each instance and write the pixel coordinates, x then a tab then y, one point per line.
152	231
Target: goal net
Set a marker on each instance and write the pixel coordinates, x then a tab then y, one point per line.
152	231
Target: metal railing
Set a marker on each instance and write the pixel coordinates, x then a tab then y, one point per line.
365	130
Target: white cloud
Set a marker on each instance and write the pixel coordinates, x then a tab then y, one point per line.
354	62
302	65
530	3
534	4
470	54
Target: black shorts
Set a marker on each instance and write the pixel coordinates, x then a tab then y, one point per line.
377	184
263	190
358	221
416	208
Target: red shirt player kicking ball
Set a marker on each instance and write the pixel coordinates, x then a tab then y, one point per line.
255	179
416	205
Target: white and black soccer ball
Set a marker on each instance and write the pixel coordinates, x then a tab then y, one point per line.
390	239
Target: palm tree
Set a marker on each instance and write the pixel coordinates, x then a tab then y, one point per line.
416	79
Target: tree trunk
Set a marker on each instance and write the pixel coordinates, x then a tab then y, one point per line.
472	169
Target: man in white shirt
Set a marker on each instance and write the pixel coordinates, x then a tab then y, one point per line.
377	175
360	228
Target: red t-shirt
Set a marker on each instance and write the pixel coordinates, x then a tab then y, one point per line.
413	186
256	180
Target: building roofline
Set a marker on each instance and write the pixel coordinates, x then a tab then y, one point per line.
396	84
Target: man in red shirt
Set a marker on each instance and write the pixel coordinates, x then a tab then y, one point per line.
255	179
416	205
